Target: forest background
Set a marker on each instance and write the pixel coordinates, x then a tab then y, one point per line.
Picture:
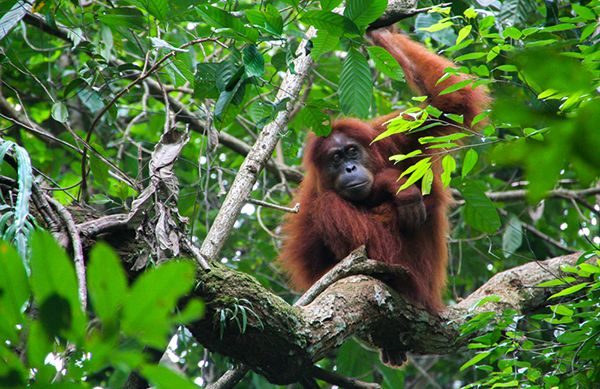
146	124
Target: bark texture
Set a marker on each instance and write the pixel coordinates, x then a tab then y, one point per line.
282	342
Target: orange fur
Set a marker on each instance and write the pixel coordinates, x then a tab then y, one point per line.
329	227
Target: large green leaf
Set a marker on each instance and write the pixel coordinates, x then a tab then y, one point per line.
386	63
314	117
328	5
479	211
99	168
156	8
364	12
164	378
55	289
12	12
218	18
14	292
106	282
512	237
254	61
147	309
335	24
205	81
124	17
269	19
356	85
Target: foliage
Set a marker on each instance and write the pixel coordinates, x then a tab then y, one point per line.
15	223
553	349
66	344
110	77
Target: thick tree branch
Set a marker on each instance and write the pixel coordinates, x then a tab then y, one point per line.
399	10
258	156
283	342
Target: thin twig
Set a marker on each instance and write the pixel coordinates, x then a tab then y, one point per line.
189	246
275	206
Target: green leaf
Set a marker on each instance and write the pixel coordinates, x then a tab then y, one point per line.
569	290
312	116
156	8
427	182
229	97
322	43
386	63
463	33
25	180
512	32
584	12
512	237
218	18
562	310
356	85
14	292
402	157
479	211
470	56
74	86
335	24
442	139
164	378
364	12
99	168
39	344
589	268
448	164
253	61
455	87
437	27
557	282
270	19
125	17
328	5
205	81
60	113
416	172
477	358
178	72
147	308
55	289
469	162
401	124
107	283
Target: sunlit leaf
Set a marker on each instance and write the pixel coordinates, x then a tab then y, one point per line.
448	164
469	162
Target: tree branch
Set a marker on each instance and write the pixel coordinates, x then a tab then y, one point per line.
283	342
399	10
258	156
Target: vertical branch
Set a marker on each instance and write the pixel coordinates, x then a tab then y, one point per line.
258	156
